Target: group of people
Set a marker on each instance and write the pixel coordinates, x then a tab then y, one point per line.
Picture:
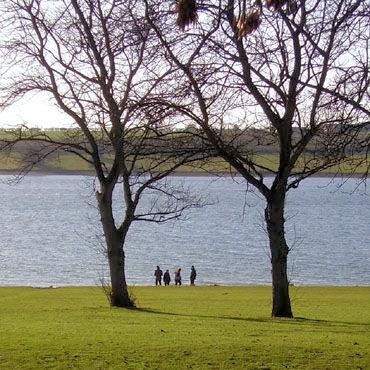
158	273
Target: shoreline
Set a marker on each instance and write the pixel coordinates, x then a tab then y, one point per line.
183	286
175	174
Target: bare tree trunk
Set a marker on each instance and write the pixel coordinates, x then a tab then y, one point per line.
274	215
116	258
115	253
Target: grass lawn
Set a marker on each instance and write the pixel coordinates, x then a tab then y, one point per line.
9	162
184	327
72	163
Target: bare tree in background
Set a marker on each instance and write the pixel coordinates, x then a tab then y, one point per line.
297	86
99	61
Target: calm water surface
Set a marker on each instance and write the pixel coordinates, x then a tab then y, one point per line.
50	235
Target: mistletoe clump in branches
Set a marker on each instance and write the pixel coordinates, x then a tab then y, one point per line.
186	13
246	23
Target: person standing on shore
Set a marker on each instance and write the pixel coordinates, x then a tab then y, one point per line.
158	276
167	278
178	277
193	275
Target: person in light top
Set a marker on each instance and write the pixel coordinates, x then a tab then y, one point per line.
178	277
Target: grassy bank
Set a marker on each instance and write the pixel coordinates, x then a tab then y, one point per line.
187	327
68	163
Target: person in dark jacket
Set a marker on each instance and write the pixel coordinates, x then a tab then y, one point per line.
193	275
158	276
167	278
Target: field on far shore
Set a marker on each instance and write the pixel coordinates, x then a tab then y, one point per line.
184	328
71	164
60	162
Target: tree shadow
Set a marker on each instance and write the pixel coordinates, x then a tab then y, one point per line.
302	321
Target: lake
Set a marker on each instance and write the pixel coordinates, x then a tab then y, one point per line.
51	235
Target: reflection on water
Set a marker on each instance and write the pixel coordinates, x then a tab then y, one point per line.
50	235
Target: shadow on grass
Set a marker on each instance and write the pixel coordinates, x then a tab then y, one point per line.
271	320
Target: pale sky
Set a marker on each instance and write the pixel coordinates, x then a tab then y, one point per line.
36	111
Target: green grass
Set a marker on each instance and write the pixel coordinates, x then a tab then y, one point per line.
68	162
181	328
9	162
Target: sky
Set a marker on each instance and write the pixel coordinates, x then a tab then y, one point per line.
36	111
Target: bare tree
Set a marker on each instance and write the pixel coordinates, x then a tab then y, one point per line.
298	86
99	62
